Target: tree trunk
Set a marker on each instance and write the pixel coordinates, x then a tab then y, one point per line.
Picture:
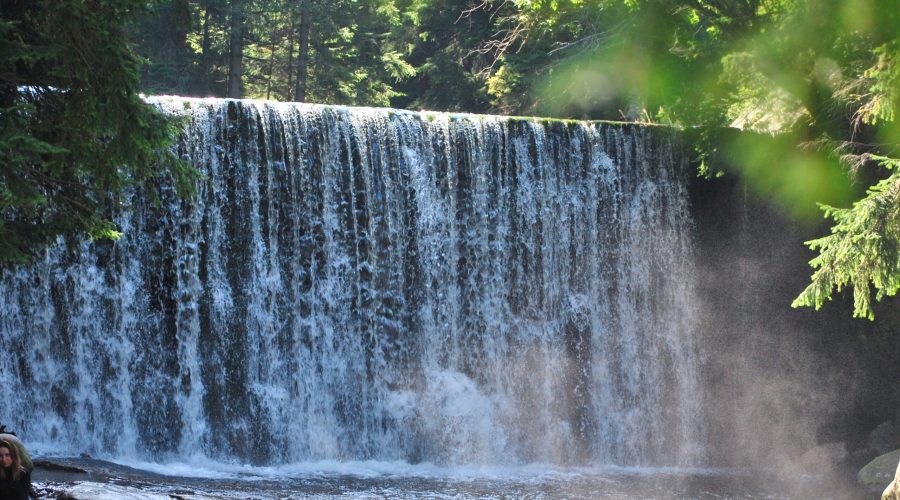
303	54
271	70
236	53
290	60
204	51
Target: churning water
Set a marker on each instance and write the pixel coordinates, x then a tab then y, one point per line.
377	480
353	284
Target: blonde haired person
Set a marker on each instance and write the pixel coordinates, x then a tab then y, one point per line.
24	457
15	481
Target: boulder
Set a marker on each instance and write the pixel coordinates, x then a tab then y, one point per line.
879	472
885	437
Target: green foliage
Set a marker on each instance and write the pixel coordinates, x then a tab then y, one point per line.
442	41
73	131
863	249
356	52
795	179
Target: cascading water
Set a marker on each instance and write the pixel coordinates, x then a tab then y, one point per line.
354	284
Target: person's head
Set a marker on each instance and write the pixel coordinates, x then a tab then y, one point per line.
9	458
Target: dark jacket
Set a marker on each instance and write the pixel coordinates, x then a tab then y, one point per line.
11	489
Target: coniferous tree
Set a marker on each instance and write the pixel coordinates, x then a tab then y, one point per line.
303	51
74	132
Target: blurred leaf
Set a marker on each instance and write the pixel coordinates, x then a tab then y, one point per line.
797	180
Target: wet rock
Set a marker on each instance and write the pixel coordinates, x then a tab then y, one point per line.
879	472
103	491
55	467
44	490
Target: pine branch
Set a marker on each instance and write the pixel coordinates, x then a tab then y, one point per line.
863	249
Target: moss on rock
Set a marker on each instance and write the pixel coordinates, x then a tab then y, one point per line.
879	472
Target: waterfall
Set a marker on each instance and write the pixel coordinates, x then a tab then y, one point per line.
373	284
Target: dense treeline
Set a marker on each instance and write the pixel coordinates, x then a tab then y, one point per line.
372	52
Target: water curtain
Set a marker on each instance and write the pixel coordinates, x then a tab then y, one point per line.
354	284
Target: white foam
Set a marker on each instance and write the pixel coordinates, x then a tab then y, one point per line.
199	467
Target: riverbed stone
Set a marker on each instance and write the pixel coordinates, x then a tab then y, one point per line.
880	472
55	467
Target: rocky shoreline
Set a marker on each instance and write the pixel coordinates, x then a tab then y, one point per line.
91	479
